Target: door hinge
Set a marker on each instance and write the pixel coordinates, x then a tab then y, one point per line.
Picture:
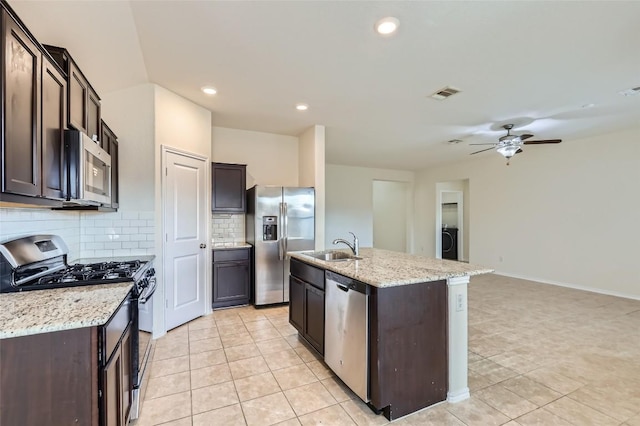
166	237
166	171
166	303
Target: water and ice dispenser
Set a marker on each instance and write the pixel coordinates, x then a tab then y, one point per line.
269	228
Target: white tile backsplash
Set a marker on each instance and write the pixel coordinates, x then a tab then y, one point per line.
88	234
19	222
227	228
117	234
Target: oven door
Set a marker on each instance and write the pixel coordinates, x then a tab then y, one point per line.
145	343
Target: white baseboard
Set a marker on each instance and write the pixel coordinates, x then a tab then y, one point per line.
568	285
457	396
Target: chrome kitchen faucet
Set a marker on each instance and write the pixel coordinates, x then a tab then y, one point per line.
355	247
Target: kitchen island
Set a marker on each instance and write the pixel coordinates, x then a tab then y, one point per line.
65	355
416	327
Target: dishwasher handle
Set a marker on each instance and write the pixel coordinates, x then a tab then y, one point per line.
342	287
345	283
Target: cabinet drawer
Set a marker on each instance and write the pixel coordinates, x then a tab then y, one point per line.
307	273
228	255
115	328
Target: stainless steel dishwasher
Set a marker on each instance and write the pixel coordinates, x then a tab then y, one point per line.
346	341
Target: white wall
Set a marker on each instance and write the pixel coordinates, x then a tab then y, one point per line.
549	216
130	114
311	166
349	201
390	212
271	159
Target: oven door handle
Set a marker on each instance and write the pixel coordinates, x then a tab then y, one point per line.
150	289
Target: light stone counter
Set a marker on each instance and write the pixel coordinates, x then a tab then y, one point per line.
42	311
230	246
383	268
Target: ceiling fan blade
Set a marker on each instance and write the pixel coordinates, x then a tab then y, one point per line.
540	142
525	136
519	151
483	144
482	150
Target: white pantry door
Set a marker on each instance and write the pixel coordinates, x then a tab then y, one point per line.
185	213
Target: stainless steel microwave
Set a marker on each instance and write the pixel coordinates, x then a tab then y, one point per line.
88	170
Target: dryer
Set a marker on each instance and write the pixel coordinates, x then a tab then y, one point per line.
450	243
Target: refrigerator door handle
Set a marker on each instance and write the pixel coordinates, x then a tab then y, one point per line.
286	228
281	236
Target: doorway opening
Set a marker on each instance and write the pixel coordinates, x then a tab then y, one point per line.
451	227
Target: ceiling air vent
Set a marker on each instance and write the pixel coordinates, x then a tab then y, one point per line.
631	92
445	93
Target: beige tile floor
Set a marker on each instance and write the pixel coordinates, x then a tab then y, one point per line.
538	355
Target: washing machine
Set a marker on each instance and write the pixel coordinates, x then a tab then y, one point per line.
450	243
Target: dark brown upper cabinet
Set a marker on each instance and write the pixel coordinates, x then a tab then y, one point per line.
228	186
22	146
33	97
110	144
83	101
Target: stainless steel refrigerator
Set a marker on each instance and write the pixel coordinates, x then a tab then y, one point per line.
279	219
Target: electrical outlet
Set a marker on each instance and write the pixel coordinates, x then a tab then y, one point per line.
459	302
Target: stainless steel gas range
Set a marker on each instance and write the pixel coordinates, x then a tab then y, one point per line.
39	262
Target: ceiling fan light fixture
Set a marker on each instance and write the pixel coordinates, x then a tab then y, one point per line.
508	151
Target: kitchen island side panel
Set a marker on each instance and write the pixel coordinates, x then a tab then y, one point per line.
408	347
50	378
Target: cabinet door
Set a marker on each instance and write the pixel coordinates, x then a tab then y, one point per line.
78	96
126	351
230	283
93	115
54	121
112	390
21	111
110	144
296	303
314	317
229	185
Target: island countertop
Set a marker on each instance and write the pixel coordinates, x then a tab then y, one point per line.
42	311
384	268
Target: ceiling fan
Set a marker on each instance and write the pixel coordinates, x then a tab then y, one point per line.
509	144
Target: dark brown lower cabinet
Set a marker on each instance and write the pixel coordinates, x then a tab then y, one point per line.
117	384
306	302
64	377
408	347
314	316
296	303
50	378
231	277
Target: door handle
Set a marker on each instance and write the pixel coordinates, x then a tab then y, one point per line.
203	246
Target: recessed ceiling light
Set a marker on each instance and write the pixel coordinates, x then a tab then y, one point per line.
209	90
302	107
388	25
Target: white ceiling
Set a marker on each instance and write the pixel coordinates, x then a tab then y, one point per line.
534	64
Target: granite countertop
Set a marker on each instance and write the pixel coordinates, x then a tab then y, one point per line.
42	311
383	268
230	246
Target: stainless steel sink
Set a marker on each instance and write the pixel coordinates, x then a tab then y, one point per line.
334	256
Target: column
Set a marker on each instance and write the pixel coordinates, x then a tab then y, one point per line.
458	339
